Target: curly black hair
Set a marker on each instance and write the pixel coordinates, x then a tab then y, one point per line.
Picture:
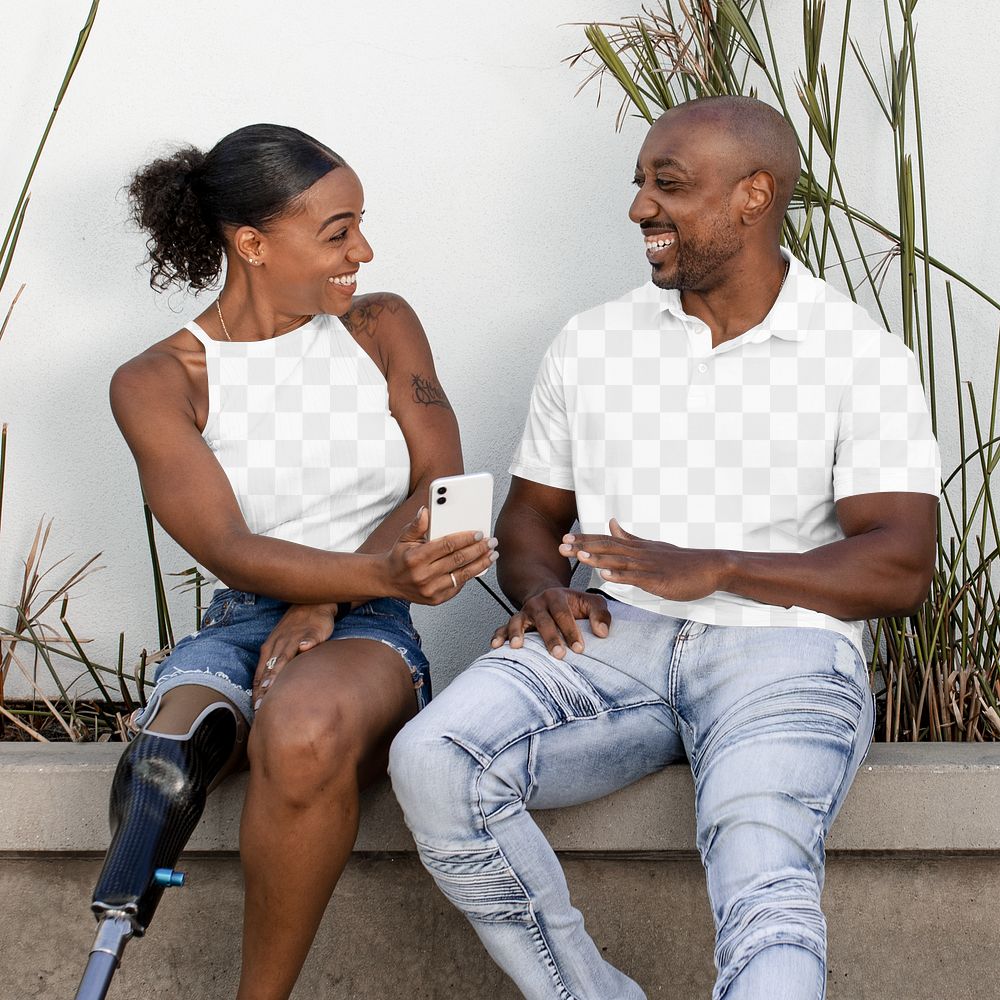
186	200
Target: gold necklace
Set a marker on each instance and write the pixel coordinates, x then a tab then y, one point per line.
218	308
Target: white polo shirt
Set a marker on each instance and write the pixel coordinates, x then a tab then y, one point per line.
746	446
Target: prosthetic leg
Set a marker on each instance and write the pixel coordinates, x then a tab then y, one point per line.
157	797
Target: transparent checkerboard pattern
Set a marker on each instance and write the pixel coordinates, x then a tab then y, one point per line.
747	447
302	428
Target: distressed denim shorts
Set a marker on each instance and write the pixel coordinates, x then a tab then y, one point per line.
223	655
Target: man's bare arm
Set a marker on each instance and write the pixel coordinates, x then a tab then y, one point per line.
883	566
536	577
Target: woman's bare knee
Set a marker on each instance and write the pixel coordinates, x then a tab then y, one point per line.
305	748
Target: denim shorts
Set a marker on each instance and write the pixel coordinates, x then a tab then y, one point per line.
223	654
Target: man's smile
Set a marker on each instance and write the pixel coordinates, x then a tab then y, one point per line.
658	245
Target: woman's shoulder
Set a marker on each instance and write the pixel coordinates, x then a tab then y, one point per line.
378	313
163	370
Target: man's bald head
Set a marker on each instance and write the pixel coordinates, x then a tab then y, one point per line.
749	134
714	179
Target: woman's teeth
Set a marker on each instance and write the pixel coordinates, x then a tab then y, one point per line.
344	279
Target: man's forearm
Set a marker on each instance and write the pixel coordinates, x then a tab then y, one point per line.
865	576
883	567
529	555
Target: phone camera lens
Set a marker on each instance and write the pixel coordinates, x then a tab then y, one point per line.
442	489
442	500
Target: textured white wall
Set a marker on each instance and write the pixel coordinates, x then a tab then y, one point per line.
496	204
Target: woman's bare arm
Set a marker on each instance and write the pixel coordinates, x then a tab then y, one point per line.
388	329
190	495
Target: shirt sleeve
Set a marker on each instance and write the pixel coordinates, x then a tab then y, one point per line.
545	454
885	442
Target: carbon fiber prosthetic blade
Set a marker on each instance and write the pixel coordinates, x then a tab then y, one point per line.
157	797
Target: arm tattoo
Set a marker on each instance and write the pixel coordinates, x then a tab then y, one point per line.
428	392
363	318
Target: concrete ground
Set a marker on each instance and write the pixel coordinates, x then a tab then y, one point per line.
913	928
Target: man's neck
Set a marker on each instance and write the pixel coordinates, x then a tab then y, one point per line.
741	300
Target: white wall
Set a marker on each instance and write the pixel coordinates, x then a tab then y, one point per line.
496	204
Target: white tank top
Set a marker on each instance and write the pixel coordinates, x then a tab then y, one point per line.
301	426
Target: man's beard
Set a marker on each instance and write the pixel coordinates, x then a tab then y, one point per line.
696	263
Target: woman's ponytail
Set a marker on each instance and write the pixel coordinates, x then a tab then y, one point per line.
183	246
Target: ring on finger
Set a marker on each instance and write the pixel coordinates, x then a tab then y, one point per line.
270	663
454	582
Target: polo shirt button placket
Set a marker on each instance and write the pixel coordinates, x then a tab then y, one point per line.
698	388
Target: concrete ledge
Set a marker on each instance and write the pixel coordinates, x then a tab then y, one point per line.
916	921
906	798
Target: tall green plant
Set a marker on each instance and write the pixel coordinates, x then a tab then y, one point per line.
938	671
21	205
26	624
55	648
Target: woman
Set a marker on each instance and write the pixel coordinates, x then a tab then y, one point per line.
288	450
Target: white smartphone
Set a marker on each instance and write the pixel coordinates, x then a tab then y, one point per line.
461	503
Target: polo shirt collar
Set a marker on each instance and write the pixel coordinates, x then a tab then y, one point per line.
785	318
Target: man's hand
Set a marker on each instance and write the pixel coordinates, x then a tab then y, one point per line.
553	613
302	627
668	571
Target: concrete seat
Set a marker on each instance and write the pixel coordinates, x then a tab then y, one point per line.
912	884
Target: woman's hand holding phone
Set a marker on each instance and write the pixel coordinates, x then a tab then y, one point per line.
432	571
461	503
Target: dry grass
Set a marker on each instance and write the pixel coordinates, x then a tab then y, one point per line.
43	654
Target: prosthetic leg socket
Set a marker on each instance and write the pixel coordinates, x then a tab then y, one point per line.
157	797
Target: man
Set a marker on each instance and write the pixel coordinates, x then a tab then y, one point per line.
762	454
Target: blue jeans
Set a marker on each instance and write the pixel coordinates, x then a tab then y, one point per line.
223	655
774	722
